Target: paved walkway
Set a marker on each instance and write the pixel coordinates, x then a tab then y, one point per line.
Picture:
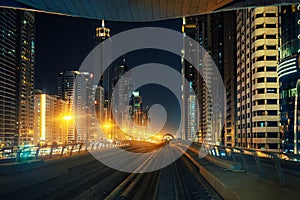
243	185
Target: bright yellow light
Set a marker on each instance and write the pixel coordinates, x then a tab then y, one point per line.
43	116
107	125
68	118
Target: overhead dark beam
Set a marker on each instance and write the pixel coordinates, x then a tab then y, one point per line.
137	10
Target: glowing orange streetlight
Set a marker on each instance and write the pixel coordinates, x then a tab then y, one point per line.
107	125
68	118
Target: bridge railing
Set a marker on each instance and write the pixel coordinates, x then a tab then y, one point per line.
23	153
276	166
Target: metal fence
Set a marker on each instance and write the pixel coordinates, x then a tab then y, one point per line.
277	166
23	153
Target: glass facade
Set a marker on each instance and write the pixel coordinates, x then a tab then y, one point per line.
289	74
17	55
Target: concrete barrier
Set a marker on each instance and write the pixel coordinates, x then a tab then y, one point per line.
229	165
226	164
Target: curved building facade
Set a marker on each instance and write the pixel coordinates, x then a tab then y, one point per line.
289	77
257	80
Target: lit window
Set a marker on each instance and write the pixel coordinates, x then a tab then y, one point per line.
272	90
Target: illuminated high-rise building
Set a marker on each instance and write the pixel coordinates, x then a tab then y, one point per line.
257	80
121	95
83	107
76	89
192	116
189	28
103	33
17	55
99	102
289	78
229	57
65	89
140	116
212	34
49	124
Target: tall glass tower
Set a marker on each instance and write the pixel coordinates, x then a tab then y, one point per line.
289	76
17	55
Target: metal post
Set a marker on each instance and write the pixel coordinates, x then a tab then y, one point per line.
245	164
62	150
80	146
279	170
232	155
51	151
18	154
72	149
258	165
37	153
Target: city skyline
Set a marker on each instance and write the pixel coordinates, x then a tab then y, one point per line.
205	106
60	50
211	31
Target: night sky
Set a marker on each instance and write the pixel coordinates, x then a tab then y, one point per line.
63	42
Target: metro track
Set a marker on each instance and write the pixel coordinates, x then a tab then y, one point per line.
94	180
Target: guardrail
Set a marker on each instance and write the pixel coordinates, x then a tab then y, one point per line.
264	163
22	153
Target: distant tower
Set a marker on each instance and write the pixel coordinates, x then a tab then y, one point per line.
99	102
66	86
122	95
83	107
102	33
104	85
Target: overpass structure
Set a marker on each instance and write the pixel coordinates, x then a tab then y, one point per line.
225	173
136	10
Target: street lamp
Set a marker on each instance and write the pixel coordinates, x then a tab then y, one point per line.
108	126
67	119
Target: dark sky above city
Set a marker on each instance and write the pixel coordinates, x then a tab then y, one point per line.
63	42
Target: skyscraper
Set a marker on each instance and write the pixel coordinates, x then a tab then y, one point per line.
99	102
105	83
257	80
76	89
123	88
230	77
17	55
210	32
65	89
103	33
289	76
192	116
190	29
83	107
141	119
49	126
